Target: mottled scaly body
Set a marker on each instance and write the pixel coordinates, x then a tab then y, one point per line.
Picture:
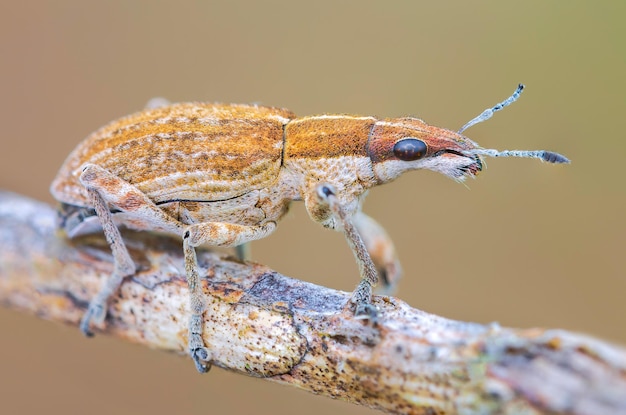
197	162
224	175
236	164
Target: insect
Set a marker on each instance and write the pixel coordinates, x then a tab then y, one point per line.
224	175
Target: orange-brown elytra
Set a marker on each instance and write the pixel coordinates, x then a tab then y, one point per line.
224	175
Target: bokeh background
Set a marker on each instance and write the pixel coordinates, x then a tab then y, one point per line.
526	244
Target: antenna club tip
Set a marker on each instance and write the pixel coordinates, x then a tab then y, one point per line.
556	158
521	86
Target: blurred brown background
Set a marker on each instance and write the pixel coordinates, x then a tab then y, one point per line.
526	244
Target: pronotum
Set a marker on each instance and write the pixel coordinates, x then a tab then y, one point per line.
224	175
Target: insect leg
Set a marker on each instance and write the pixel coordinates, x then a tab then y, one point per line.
197	304
361	298
216	234
124	196
243	251
123	264
121	194
381	249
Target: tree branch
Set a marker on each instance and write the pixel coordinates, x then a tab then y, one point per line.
264	324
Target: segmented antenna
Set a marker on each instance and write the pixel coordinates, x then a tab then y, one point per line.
488	113
549	156
543	155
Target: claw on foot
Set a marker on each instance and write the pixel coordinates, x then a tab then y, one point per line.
84	325
95	313
199	356
366	312
85	330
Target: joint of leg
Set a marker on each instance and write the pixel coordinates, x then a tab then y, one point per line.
325	191
87	174
125	269
197	304
190	237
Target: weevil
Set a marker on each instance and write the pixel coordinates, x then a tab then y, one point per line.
224	175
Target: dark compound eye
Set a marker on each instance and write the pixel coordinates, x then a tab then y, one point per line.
409	149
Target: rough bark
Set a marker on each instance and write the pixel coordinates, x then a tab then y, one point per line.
267	325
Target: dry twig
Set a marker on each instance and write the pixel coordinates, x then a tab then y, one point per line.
264	324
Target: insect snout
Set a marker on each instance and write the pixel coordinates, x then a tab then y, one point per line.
460	164
475	166
472	167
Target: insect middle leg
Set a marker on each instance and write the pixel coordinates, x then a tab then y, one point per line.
216	234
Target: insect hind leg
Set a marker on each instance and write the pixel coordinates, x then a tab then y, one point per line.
123	265
108	191
119	194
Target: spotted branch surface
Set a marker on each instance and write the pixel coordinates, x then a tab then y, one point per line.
267	325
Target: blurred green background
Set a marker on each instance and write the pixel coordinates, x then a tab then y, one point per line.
526	244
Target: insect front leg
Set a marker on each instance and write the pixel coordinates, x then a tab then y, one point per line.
361	299
381	249
215	234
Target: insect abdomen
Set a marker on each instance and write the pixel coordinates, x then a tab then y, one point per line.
183	152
